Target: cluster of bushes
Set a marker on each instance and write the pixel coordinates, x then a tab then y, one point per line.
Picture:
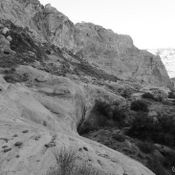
139	105
103	114
156	95
160	131
66	165
148	95
146	147
106	112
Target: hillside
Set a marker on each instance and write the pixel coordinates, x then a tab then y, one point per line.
78	99
113	53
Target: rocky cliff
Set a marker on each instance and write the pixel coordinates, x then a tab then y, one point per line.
168	58
61	83
113	53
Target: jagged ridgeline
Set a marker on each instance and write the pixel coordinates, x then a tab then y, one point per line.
79	99
35	26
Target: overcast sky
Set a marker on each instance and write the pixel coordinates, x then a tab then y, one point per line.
151	23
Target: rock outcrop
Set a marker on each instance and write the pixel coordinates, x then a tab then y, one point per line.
45	115
111	52
117	55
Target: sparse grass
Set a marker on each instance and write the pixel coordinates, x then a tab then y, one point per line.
66	165
65	159
84	169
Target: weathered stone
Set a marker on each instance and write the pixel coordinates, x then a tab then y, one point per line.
113	53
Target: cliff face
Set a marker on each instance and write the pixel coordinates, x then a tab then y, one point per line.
168	58
117	55
111	52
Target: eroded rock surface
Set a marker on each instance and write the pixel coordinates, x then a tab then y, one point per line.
35	112
54	75
113	53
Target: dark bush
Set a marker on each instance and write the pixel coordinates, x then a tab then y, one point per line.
118	115
168	124
169	159
146	147
139	105
142	127
103	114
171	94
156	166
118	137
148	95
109	112
86	127
146	129
102	108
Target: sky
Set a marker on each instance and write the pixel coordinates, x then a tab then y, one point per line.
151	23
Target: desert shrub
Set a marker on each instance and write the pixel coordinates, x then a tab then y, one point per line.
126	93
65	164
85	169
102	107
156	166
164	138
161	131
107	112
118	137
119	115
168	124
142	127
86	127
139	105
103	114
148	95
146	147
169	159
65	161
171	94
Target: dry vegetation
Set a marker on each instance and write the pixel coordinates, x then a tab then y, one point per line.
66	164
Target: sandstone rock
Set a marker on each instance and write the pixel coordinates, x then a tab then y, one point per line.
9	38
52	120
5	30
5	46
117	55
113	53
51	107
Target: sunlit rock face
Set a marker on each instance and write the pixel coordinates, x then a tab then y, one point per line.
42	115
117	55
168	58
113	53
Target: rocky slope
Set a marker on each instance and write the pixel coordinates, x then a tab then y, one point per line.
111	52
61	83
